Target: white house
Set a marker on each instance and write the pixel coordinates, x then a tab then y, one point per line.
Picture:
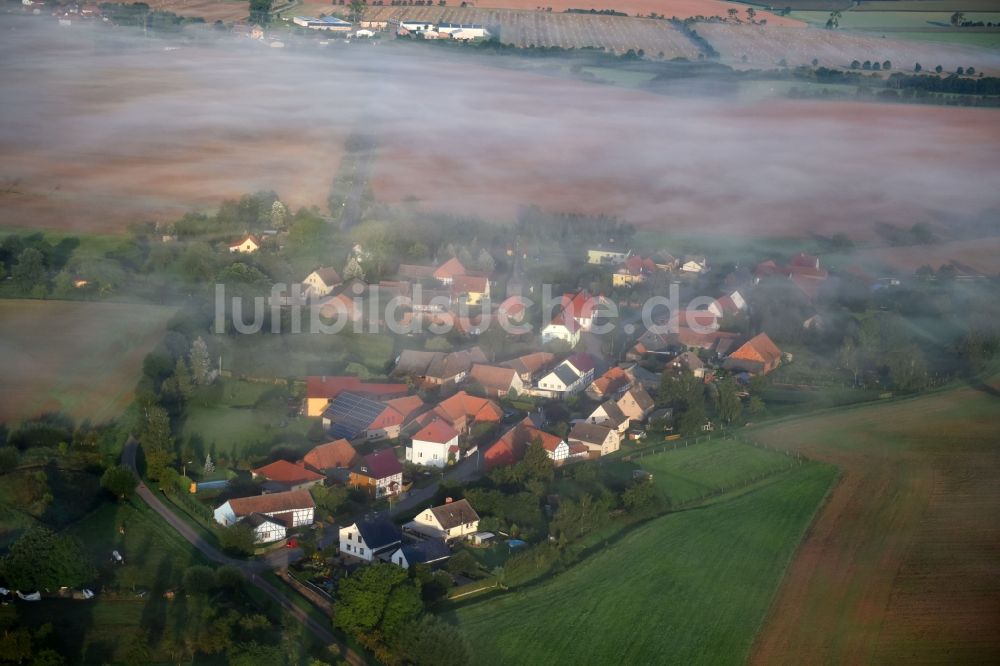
330	23
294	508
433	445
568	378
463	31
609	414
417	26
451	520
636	404
248	245
423	552
320	282
562	328
265	528
694	264
367	539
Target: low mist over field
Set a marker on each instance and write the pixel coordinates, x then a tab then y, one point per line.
101	128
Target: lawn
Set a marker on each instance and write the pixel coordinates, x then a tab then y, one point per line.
690	587
900	565
82	358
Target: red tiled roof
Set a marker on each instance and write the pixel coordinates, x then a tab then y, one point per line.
437	431
331	387
332	455
612	380
512	307
472	407
381	464
272	503
564	320
760	349
580	305
449	269
583	362
283	471
469	284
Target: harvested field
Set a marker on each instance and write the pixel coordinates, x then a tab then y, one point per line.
765	46
77	357
210	10
981	255
901	565
682	9
615	34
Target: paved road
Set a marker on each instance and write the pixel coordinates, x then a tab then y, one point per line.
463	472
251	569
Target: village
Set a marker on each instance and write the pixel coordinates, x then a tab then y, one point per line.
455	413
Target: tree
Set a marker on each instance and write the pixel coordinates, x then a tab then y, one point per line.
199	579
229	577
29	270
732	12
182	379
238	538
358	10
917	67
41	559
119	481
260	11
431	641
157	442
970	71
278	215
957	18
201	365
867	65
209	464
9	459
855	64
756	405
15	645
815	62
751	13
730	406
639	496
887	65
367	596
939	69
960	71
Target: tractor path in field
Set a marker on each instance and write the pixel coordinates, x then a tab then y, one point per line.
901	563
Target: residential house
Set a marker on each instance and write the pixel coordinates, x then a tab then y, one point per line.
434	445
611	384
321	390
581	306
437	368
568	378
415	273
430	300
610	415
380	473
562	327
449	521
688	362
497	381
320	282
606	256
758	356
474	288
694	264
428	552
511	310
332	459
265	528
369	538
294	508
283	475
354	416
248	245
666	262
462	411
636	404
530	366
729	305
511	446
634	270
446	272
600	440
342	307
801	265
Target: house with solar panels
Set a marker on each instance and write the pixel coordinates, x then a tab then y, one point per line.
354	416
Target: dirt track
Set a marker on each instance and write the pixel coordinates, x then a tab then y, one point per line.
901	565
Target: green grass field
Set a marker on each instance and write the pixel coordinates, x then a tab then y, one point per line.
691	587
988	40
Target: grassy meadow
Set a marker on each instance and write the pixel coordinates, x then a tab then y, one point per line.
690	587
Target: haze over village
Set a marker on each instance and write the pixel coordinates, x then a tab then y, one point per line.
443	333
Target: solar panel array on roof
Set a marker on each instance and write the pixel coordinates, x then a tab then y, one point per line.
351	414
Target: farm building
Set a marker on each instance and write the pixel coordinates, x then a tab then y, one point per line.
694	264
610	415
451	520
606	256
688	362
437	368
422	552
496	380
293	508
448	271
265	528
531	366
321	390
463	31
611	384
434	445
282	475
379	473
758	356
333	459
355	416
462	411
367	539
330	23
510	447
474	288
635	270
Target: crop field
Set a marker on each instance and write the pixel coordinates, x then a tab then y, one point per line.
900	565
765	46
680	8
694	588
616	34
871	20
77	357
210	10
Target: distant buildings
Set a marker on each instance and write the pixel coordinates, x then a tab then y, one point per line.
329	23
